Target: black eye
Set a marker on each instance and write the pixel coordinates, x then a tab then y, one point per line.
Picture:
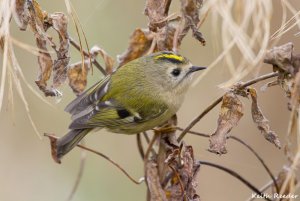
176	72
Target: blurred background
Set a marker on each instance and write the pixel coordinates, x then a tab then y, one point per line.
27	171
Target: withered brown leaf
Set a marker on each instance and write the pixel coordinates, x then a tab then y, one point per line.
261	121
108	60
77	76
154	186
187	169
139	44
30	12
21	14
287	63
190	10
59	22
229	116
157	11
281	57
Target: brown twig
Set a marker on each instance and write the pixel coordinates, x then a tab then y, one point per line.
148	141
216	102
79	175
140	145
113	162
260	160
146	137
237	176
50	136
248	147
84	36
86	54
150	146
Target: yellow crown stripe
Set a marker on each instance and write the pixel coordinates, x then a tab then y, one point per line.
170	56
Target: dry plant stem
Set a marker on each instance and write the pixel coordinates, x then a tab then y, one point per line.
236	175
216	102
148	141
79	176
113	162
87	54
248	147
50	136
260	159
150	146
84	36
140	145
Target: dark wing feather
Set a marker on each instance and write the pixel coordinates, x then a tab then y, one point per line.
111	114
88	98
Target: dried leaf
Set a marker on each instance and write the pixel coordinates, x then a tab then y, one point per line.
281	57
140	42
165	36
45	63
157	11
261	120
59	22
21	14
184	183
53	145
230	114
287	63
30	12
78	76
154	186
190	11
108	60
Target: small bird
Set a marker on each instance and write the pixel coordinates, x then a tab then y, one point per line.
142	94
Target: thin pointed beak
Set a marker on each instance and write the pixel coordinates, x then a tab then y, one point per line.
196	68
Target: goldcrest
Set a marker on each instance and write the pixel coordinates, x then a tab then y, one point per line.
142	94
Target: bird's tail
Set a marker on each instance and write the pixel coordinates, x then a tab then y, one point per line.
68	142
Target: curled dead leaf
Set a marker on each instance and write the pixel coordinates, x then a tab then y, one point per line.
230	114
184	183
139	44
78	76
152	179
190	11
59	22
108	60
157	11
21	14
287	63
281	57
261	121
29	12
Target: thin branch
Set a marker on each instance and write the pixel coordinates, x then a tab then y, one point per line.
198	118
237	176
216	102
113	162
140	145
260	160
148	141
248	147
146	137
84	36
52	137
79	175
150	146
86	54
